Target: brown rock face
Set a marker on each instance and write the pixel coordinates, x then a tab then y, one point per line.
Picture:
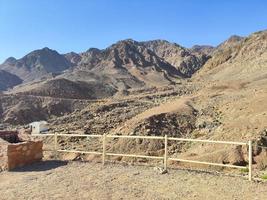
8	80
128	64
184	60
73	57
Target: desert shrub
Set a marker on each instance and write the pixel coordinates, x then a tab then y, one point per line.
246	170
264	176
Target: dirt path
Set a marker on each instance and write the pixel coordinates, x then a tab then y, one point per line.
75	180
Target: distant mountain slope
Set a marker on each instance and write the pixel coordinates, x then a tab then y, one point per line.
238	58
73	57
229	43
90	58
125	64
37	64
63	88
8	80
129	64
206	49
184	60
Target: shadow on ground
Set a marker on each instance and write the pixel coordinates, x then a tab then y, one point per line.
41	166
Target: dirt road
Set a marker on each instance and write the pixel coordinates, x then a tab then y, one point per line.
76	180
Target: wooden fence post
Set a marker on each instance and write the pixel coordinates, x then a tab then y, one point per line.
104	149
166	153
250	160
55	142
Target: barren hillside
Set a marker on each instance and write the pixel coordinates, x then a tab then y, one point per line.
62	88
240	59
8	80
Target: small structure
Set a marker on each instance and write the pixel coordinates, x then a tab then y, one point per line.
39	127
17	152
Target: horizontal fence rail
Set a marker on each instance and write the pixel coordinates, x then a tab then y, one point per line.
78	135
165	158
136	137
208	163
207	141
135	156
83	152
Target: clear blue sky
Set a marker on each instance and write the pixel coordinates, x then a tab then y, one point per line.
76	25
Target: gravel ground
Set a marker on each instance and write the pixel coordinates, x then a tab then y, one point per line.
77	180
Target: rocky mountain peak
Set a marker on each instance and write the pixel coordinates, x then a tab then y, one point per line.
41	52
231	41
92	52
181	58
10	60
37	64
235	38
206	49
46	49
123	44
73	57
126	41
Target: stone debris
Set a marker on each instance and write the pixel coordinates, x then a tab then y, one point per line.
160	170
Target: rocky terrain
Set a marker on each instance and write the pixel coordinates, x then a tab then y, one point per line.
149	88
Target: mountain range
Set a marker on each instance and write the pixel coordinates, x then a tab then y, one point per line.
125	65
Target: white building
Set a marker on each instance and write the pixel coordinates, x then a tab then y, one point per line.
39	127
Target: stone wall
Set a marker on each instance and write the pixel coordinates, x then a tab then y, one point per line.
24	153
16	152
3	155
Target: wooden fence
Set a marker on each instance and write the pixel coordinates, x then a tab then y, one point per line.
165	158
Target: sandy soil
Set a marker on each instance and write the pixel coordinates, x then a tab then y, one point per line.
76	180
